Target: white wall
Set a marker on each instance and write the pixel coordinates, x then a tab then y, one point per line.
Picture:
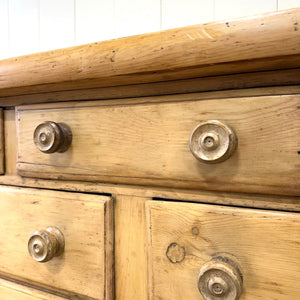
28	26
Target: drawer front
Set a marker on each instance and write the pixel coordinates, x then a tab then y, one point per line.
186	238
13	291
84	266
149	143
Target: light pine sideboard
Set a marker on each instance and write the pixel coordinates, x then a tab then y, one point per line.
158	166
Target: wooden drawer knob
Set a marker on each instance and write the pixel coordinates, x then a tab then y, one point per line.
213	141
43	245
50	137
220	278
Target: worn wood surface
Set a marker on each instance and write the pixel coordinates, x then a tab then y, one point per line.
265	243
242	82
279	202
10	142
148	143
236	93
85	268
14	291
131	248
143	141
261	43
258	201
2	150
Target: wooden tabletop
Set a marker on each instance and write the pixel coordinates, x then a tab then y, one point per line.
259	43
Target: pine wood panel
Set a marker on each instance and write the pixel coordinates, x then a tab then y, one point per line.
202	50
274	82
148	143
10	142
2	147
130	248
279	202
85	268
265	243
14	291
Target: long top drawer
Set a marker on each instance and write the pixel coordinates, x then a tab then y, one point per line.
148	143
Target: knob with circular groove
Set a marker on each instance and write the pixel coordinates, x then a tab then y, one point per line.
50	137
220	278
213	141
43	245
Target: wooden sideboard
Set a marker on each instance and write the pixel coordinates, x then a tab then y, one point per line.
159	166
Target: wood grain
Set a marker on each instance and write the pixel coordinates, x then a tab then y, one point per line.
279	202
148	143
131	248
246	200
86	222
2	147
236	93
13	291
261	43
240	82
10	142
265	243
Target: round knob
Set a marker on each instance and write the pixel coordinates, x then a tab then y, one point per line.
221	279
50	137
213	141
43	245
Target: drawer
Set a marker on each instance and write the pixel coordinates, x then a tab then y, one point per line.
13	291
148	143
82	262
224	250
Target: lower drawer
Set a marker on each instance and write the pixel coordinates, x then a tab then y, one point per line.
13	291
222	252
81	265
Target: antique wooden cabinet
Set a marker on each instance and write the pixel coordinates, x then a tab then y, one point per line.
159	166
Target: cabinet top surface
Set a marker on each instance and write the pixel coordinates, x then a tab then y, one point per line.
257	43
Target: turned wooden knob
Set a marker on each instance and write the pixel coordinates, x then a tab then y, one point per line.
43	245
221	279
213	141
50	137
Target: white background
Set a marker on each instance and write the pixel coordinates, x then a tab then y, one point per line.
28	26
